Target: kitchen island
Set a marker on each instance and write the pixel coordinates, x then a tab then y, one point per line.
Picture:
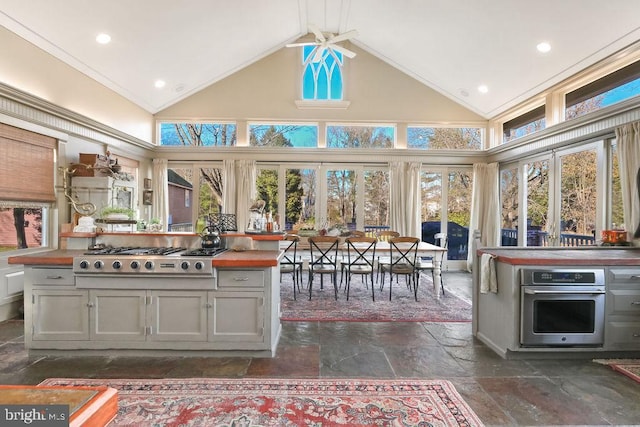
559	301
234	312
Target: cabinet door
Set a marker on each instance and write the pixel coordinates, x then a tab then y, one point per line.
236	317
117	315
177	316
60	315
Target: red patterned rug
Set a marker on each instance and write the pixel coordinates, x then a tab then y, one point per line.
283	402
361	308
632	370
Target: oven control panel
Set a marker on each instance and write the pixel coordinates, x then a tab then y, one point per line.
553	276
114	264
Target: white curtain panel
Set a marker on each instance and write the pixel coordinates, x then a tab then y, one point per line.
404	194
160	206
246	190
628	141
485	207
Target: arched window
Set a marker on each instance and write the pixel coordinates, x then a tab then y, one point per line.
321	80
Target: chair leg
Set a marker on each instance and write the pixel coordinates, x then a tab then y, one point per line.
373	291
310	284
335	284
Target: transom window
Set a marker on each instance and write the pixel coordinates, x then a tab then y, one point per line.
283	135
198	134
356	136
434	138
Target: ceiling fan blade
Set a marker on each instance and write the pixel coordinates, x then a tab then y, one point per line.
344	51
302	44
316	31
317	57
344	36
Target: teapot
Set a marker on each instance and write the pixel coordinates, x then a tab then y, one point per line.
211	237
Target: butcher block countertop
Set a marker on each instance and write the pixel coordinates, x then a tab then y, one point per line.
230	259
601	256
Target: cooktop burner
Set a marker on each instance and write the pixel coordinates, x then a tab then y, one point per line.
134	251
204	252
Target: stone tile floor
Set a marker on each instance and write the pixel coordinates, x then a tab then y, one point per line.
502	392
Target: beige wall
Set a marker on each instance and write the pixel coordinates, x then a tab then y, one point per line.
268	89
30	69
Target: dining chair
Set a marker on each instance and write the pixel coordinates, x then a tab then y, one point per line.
324	259
428	263
384	236
291	263
403	252
361	255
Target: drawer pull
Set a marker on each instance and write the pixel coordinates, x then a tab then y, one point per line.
240	279
636	335
635	303
634	276
54	277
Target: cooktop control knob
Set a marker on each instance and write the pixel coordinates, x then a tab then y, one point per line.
135	265
199	265
84	264
184	265
148	265
117	265
98	264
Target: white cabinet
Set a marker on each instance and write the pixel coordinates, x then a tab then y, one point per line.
146	315
104	192
55	310
237	317
622	330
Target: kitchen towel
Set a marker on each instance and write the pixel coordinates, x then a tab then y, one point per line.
488	277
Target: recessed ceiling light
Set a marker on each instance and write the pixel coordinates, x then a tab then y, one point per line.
483	89
159	84
103	38
543	47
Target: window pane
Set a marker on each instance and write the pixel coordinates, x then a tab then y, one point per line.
431	215
459	212
21	228
341	198
360	136
301	199
578	199
180	190
509	201
284	135
211	191
537	203
444	138
525	124
198	134
267	190
376	199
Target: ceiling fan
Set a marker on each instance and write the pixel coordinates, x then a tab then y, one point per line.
327	41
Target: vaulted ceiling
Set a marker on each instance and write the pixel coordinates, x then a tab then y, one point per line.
452	46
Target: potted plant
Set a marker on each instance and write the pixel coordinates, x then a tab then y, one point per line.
117	213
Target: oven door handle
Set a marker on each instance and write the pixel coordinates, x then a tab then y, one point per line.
542	292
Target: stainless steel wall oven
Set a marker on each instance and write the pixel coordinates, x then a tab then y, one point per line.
562	307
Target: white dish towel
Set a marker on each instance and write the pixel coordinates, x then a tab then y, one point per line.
488	278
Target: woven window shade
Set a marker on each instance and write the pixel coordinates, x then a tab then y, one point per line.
26	165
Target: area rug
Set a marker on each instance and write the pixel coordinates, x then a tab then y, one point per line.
283	402
628	367
323	306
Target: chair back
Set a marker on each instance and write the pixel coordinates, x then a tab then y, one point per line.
403	252
386	235
290	255
324	251
361	251
441	240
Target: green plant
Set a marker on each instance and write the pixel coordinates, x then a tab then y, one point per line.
116	210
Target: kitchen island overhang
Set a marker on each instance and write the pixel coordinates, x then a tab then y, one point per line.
237	315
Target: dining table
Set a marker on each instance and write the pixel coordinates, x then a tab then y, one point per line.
383	247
